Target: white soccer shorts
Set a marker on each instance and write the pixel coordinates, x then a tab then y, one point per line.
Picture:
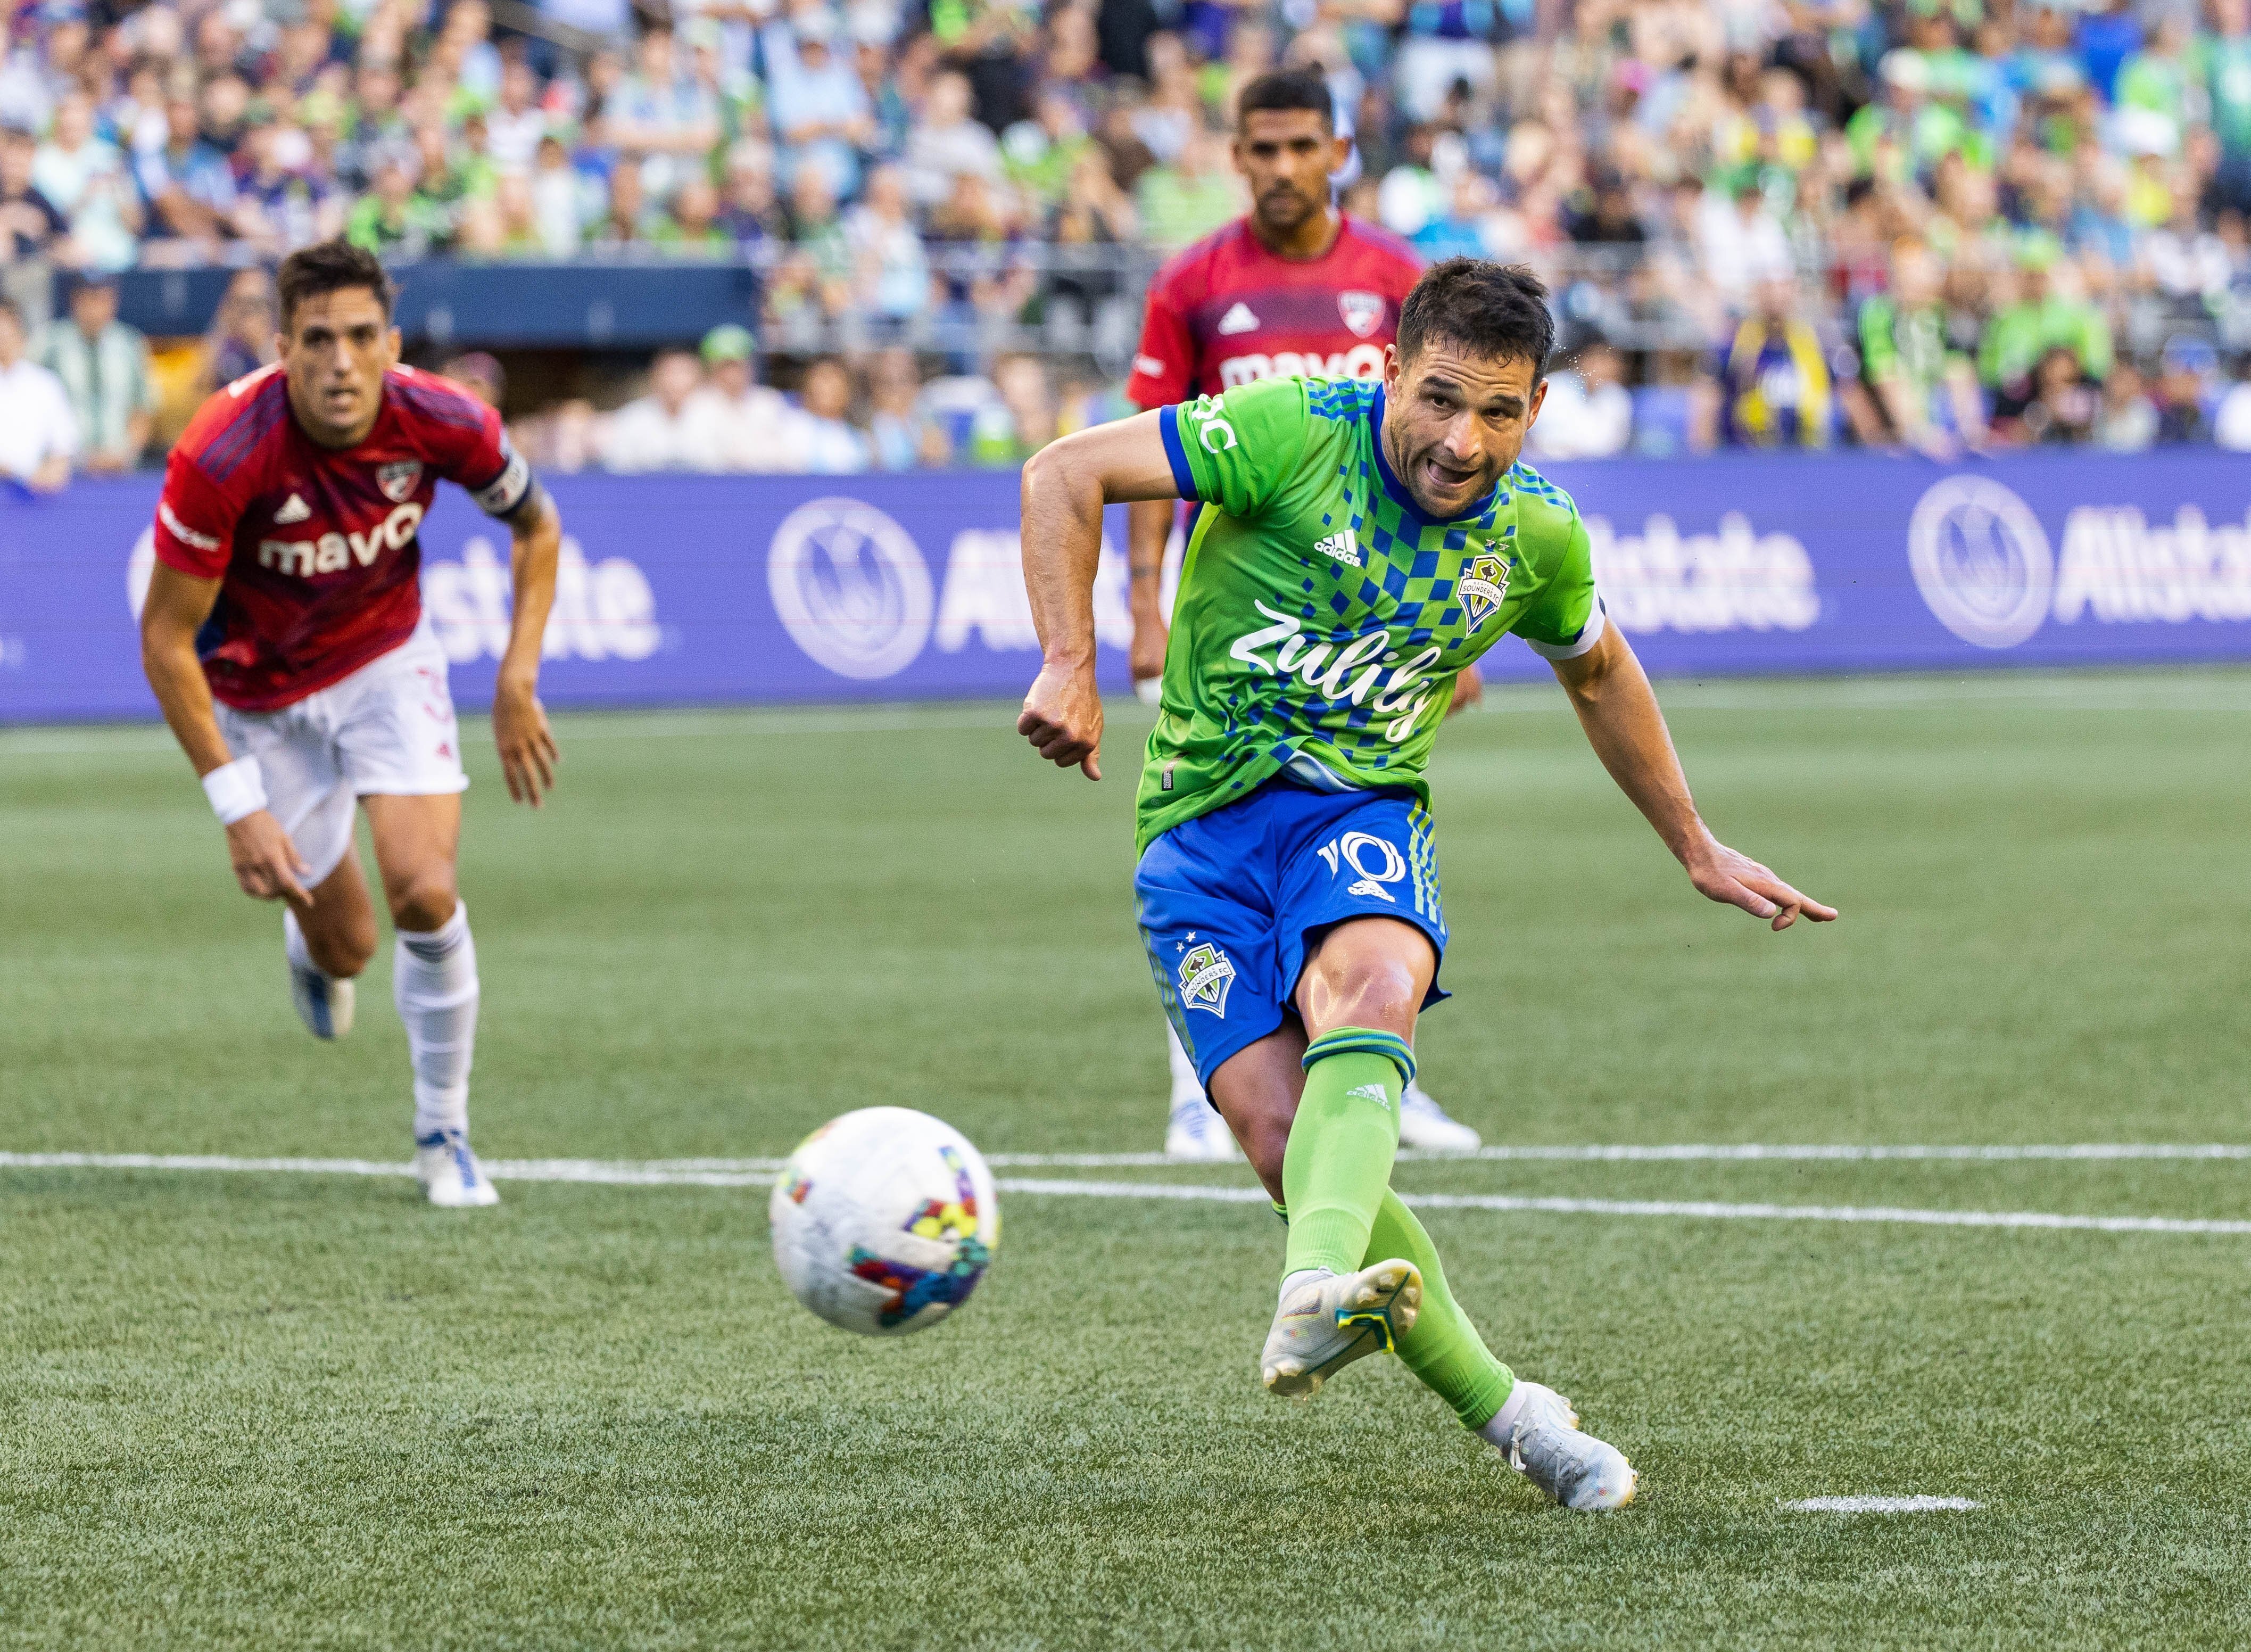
388	728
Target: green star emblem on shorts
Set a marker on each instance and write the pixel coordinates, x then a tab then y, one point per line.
1322	617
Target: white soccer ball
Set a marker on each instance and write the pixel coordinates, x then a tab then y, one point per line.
884	1220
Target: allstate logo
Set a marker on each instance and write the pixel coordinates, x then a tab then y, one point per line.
851	588
1981	560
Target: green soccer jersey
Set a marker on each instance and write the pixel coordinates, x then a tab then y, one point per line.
1322	617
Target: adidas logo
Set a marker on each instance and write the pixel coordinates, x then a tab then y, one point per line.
1369	1092
1343	547
1239	319
295	510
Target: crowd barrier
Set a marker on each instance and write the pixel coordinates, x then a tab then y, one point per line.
711	589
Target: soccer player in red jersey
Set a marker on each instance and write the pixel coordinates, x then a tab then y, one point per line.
1295	288
284	636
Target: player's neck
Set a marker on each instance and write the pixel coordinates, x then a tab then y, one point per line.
1309	240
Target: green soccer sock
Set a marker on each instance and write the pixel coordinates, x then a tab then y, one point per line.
1338	1164
1443	1348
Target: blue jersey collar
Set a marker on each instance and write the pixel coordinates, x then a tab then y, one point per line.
1398	489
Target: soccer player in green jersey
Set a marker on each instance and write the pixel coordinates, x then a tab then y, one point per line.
1358	544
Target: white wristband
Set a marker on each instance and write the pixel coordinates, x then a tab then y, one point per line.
235	789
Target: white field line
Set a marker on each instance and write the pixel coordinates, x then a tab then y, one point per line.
737	1173
730	1172
1881	1505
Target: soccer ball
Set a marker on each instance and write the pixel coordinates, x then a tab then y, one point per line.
884	1220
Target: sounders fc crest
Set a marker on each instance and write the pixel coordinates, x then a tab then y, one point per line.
1485	583
1205	975
398	480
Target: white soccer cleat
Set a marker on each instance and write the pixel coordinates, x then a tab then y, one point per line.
450	1173
1325	1325
1540	1433
324	1002
1424	1124
1197	1135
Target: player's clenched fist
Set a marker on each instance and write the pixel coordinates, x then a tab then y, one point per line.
266	863
1063	717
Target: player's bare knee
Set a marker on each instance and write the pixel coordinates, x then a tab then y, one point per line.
424	901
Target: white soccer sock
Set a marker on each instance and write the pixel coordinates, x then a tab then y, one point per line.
1504	1420
294	946
433	980
1185	1084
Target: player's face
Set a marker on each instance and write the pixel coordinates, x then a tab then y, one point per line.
1286	155
335	347
1453	422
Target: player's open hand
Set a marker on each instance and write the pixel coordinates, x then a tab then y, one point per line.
528	755
1720	874
1063	717
267	864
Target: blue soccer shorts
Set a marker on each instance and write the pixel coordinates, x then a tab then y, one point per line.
1227	902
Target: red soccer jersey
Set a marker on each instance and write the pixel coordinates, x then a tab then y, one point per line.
1227	311
317	547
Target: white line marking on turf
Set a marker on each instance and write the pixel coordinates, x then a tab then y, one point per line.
1668	1207
741	1173
1881	1505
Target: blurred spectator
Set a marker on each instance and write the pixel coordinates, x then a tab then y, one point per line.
480	375
242	335
1192	197
2063	406
103	367
820	111
662	118
739	424
655	432
1021	418
1589	411
946	144
30	224
85	178
1775	388
1923	391
901	431
2185	370
832	445
37	433
890	270
2232	424
2128	422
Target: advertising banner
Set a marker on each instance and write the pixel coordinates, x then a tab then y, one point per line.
772	589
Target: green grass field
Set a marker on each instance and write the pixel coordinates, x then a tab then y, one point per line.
305	1411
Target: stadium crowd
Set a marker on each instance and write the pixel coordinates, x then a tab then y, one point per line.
1921	223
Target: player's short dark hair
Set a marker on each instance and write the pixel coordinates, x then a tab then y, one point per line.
1287	90
329	267
1498	311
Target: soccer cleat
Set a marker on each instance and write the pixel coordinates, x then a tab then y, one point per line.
1196	1133
324	1002
450	1173
1325	1325
1424	1124
1544	1443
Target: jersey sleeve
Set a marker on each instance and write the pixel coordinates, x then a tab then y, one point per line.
489	466
195	519
1164	366
1235	451
1566	618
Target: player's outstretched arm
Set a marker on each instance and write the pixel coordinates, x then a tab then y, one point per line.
1065	487
1619	712
528	754
267	864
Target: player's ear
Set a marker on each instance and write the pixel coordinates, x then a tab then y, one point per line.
394	343
1539	395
